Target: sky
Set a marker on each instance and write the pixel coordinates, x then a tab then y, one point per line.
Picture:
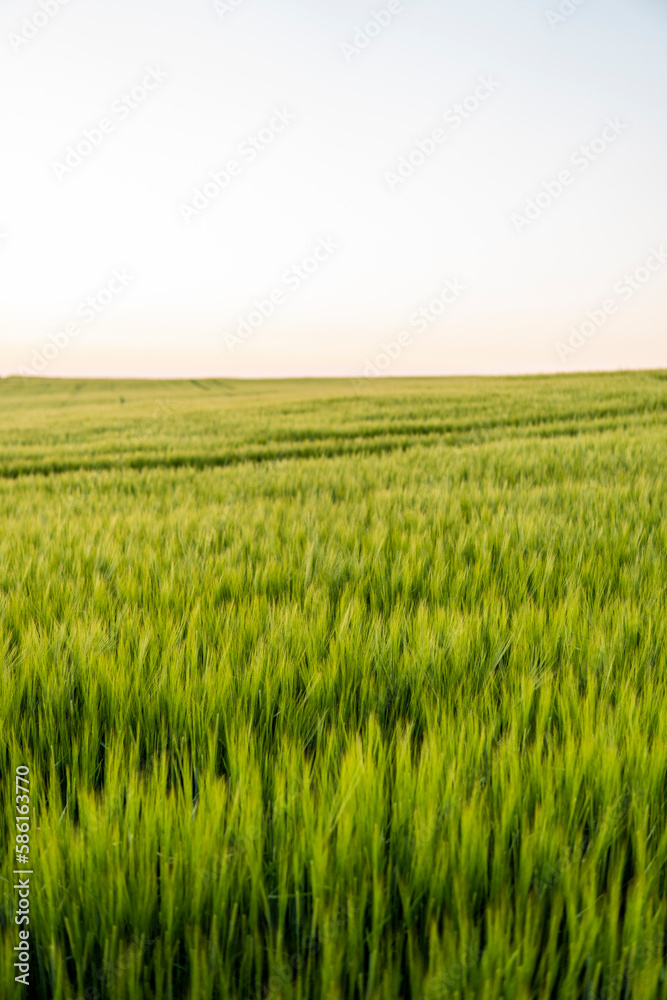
274	188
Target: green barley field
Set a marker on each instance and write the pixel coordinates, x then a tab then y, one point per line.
340	692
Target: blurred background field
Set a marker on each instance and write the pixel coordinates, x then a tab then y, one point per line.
337	690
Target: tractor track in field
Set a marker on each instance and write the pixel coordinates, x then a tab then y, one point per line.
338	446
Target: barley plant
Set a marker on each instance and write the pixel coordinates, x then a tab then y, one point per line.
336	690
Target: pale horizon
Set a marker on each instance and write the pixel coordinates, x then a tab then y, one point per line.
369	158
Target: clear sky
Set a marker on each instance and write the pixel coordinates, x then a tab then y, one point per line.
415	187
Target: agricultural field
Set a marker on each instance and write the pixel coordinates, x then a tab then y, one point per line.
336	691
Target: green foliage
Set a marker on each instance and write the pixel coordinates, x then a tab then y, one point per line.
337	694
